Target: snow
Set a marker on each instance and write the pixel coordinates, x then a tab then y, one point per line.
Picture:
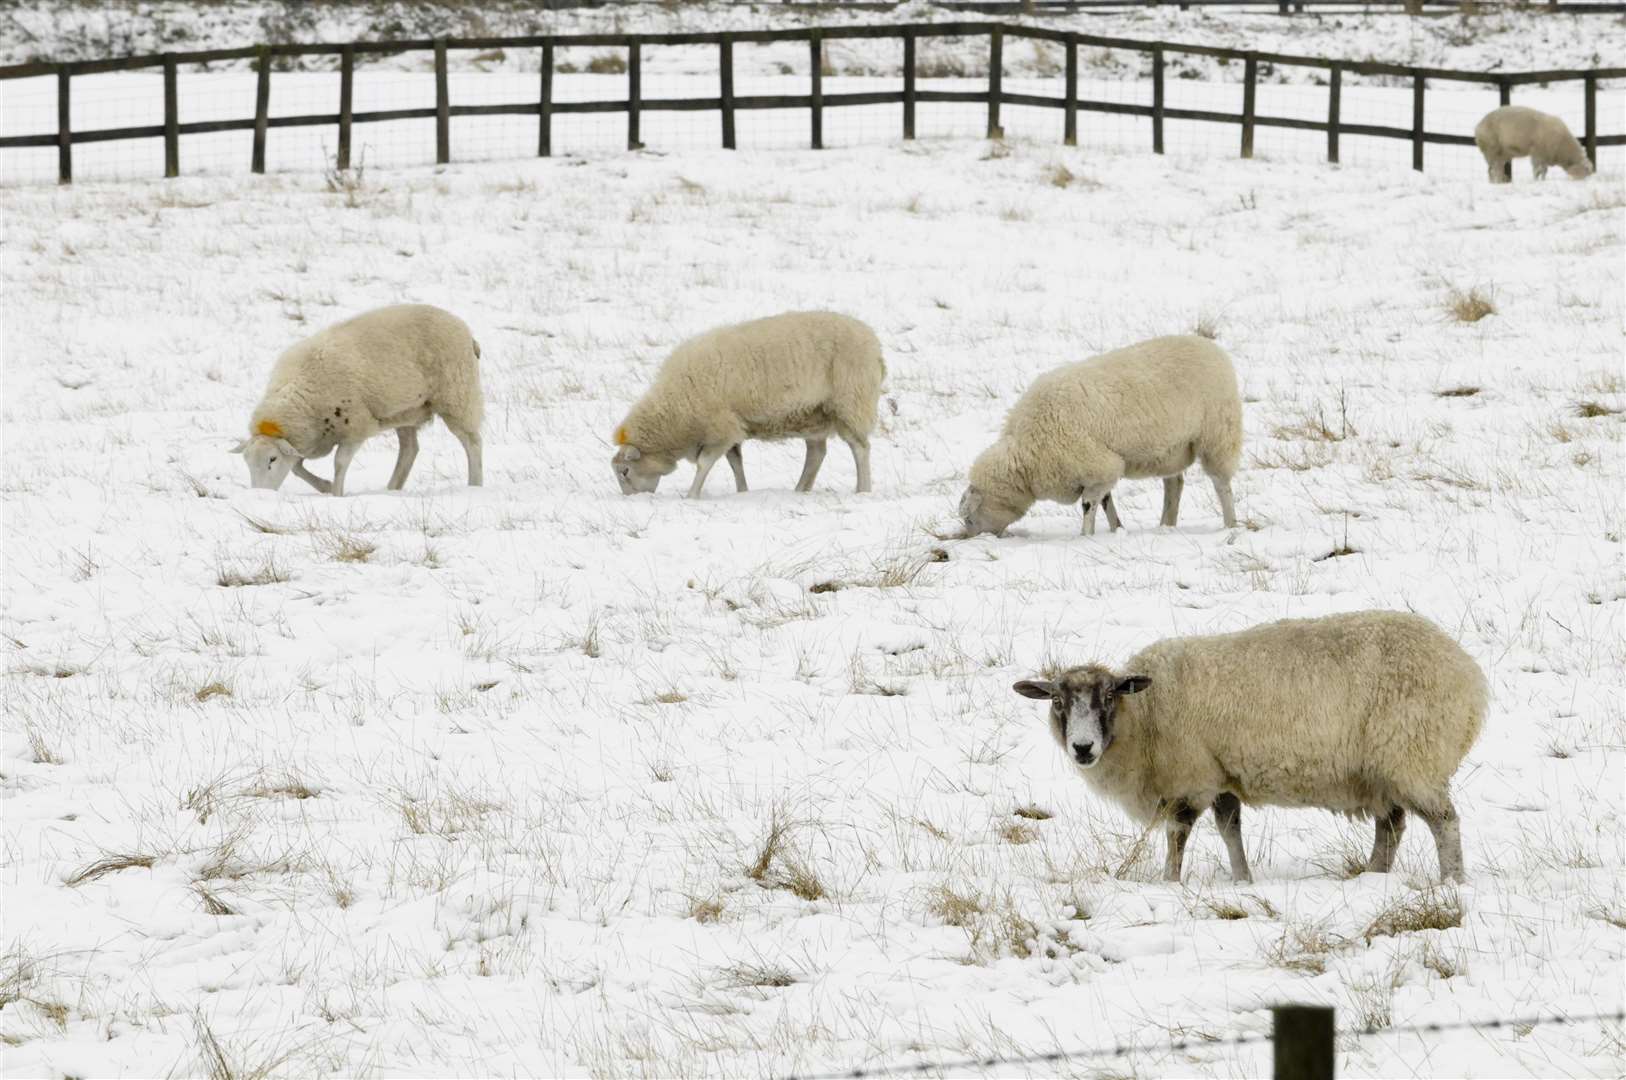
481	782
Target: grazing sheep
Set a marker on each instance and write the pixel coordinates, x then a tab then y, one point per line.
1515	131
1150	409
1368	714
799	375
393	367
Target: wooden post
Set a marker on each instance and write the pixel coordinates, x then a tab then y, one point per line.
996	80
1069	108
1335	87
1592	120
1303	1042
443	107
815	52
262	108
172	121
1418	86
544	106
1505	94
725	69
347	80
64	126
908	84
635	92
1157	99
1250	76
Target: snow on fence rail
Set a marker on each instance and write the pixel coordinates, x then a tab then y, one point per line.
546	105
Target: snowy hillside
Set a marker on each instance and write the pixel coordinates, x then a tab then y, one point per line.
538	779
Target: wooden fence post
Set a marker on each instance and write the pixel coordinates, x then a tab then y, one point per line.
1157	99
635	92
1335	88
1250	76
172	121
64	125
443	107
725	75
908	84
996	79
1504	90
815	52
1069	129
544	106
262	109
1592	120
347	79
1303	1042
1418	87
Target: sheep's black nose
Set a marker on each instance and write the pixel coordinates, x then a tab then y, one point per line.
1084	753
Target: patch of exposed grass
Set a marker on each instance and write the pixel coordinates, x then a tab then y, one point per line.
1033	813
109	864
267	572
1591	410
1429	909
1470	306
1457	391
211	690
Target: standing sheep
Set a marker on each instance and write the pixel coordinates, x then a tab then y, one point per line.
1514	131
1150	409
1367	714
799	375
393	367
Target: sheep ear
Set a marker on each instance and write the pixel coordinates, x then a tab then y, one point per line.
287	448
1036	688
630	453
242	445
1134	684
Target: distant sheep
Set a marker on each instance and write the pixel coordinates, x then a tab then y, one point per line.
1150	409
799	375
394	367
1368	714
1514	131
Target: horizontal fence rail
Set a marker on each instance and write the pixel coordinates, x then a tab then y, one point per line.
727	103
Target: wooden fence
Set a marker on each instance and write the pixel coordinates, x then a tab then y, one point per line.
816	101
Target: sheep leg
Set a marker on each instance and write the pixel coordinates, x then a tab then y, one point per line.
810	464
1538	167
341	465
1173	486
311	478
1111	509
1222	488
1181	819
860	448
471	450
1089	518
1386	840
736	461
404	457
1228	816
1447	838
702	468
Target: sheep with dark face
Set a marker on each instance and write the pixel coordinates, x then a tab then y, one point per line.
1367	714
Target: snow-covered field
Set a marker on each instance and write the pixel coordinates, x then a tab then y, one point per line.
541	779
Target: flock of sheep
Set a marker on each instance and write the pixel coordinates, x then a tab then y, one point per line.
1367	714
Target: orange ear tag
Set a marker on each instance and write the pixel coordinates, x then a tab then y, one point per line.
271	428
621	436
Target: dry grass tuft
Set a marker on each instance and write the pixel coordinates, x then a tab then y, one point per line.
1430	909
1470	306
1016	833
268	572
1303	947
1457	391
1591	410
705	909
212	690
954	908
1207	325
346	547
109	865
1033	813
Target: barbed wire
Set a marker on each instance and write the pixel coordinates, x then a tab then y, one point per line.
1124	1049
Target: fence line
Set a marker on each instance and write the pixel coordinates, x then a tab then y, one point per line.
727	103
1303	1036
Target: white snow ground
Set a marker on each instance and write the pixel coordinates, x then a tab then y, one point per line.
482	782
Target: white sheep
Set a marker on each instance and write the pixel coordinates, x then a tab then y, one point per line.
1150	409
1368	714
798	375
1515	131
393	367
